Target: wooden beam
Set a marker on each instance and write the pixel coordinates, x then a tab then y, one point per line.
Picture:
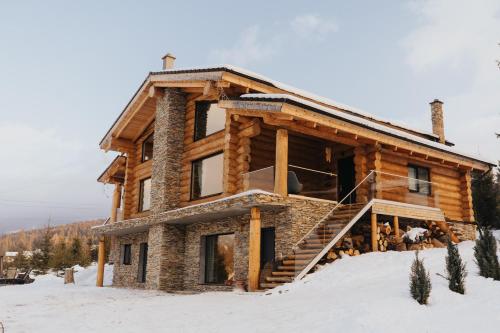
281	163
254	249
396	227
374	232
100	262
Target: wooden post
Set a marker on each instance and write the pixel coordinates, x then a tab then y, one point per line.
374	232
69	276
254	250
100	262
396	227
1	266
281	163
116	202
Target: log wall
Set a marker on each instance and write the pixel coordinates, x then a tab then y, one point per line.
446	188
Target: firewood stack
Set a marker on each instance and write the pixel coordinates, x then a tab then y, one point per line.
347	246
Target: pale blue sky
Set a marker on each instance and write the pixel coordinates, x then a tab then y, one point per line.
68	68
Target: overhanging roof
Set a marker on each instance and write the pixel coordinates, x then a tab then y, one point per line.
365	123
215	73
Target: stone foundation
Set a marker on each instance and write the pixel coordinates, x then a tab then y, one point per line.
464	230
174	254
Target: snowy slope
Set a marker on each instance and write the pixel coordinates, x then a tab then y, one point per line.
368	293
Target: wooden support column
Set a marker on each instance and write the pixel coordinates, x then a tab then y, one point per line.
281	163
100	262
374	232
396	227
254	250
101	257
116	202
1	266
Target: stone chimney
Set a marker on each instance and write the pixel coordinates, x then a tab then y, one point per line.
437	119
168	61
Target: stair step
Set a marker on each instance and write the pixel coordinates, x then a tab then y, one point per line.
300	256
280	279
269	285
283	273
290	268
296	262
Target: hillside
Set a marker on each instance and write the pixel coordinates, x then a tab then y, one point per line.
26	239
367	293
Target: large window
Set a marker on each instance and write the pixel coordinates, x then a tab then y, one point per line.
145	195
126	254
219	259
419	180
206	176
209	118
147	148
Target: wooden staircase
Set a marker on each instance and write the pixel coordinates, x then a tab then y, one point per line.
311	246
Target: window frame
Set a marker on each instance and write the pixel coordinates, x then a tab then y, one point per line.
203	257
140	207
416	168
126	255
143	150
191	198
210	102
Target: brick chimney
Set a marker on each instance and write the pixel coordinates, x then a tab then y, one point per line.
437	119
168	61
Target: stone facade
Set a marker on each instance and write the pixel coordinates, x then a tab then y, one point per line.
167	150
126	275
174	255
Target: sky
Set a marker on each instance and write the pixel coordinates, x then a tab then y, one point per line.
68	68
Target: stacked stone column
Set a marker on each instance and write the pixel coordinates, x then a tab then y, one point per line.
166	242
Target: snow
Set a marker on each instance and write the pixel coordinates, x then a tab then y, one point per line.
415	233
368	123
367	293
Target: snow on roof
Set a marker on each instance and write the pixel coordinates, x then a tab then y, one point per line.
364	122
297	91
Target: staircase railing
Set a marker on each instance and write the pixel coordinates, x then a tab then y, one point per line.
343	201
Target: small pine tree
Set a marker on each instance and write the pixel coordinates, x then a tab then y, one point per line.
420	282
485	253
75	251
455	268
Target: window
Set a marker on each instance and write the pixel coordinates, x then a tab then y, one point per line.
145	195
209	118
126	256
206	176
143	262
418	181
147	148
219	259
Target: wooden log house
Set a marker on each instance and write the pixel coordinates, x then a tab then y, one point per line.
226	178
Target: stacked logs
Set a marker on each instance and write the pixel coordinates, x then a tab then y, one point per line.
430	238
345	247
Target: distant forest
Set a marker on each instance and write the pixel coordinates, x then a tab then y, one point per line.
27	240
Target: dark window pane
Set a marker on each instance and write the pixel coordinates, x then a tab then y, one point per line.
419	180
206	176
143	262
147	148
126	254
209	118
423	177
219	259
145	195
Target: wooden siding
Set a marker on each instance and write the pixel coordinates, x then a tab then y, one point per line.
445	191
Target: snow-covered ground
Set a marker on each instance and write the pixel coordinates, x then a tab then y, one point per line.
368	293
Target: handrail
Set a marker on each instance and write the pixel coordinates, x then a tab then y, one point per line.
331	211
312	170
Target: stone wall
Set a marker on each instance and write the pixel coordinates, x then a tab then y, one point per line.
126	275
464	230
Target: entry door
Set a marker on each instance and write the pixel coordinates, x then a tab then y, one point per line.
346	179
267	253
